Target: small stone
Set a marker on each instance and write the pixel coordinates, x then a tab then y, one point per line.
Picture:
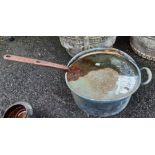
11	38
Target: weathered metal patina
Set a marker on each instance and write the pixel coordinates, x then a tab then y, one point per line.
106	79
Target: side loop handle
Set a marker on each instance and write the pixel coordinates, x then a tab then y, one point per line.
149	74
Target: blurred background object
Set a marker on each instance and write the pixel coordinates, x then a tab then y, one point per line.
144	46
5	38
76	44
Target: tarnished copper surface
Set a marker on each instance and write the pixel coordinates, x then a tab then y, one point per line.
16	111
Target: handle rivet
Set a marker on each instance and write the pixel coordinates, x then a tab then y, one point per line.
8	56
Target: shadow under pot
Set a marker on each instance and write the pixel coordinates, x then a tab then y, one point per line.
104	80
19	110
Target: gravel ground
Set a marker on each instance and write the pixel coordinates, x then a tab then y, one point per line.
45	88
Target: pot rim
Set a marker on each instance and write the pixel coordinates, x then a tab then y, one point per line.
26	105
127	57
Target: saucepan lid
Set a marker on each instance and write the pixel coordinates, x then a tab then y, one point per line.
103	75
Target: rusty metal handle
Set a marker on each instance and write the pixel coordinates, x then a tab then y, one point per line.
35	62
